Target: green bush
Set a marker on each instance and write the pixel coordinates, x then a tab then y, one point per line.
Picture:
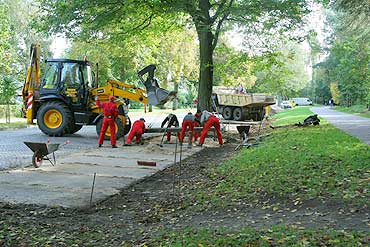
15	110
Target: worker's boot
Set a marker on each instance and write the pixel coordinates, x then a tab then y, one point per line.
114	146
100	145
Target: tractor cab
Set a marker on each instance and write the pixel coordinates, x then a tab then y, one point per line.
67	80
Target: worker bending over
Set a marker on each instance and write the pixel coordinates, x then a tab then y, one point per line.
197	116
209	120
110	112
137	131
172	121
188	122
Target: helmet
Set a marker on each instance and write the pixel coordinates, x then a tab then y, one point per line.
111	98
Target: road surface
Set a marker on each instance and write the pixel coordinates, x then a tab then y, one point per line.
14	153
353	125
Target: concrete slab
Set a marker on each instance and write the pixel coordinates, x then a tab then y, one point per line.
69	182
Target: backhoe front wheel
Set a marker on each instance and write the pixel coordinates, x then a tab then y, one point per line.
54	118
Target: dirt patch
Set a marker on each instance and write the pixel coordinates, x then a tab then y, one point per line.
163	201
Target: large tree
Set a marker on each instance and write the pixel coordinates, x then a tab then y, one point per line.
112	19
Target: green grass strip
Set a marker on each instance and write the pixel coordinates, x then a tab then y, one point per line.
359	110
250	237
15	125
309	162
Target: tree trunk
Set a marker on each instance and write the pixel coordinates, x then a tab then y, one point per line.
206	68
7	113
175	101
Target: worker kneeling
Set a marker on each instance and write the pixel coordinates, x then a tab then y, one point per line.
188	122
137	131
110	112
209	120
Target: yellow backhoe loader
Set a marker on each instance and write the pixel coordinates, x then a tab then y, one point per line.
63	100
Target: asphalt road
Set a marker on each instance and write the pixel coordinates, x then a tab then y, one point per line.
353	125
14	153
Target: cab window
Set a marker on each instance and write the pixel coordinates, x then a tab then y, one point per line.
71	76
50	79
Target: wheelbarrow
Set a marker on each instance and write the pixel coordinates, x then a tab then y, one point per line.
41	151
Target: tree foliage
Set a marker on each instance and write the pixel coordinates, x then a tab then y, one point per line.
347	65
116	20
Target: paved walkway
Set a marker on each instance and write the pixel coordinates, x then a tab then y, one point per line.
353	125
69	182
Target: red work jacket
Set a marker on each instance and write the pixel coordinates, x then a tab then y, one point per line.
109	109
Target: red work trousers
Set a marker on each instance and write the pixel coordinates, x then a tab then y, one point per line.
196	134
185	125
169	136
135	132
212	121
108	122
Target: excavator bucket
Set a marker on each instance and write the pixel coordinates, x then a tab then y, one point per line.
156	94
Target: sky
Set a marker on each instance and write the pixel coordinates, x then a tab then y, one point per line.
58	45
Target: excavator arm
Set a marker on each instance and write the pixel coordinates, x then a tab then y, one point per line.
119	89
154	94
31	87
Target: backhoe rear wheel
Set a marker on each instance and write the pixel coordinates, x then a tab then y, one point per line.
54	118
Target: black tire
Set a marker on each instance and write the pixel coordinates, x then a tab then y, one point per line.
127	126
238	114
74	128
119	131
63	121
227	113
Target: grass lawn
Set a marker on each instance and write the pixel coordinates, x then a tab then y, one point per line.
359	110
294	164
297	162
15	125
249	237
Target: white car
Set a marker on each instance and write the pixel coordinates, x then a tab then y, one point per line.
285	104
302	101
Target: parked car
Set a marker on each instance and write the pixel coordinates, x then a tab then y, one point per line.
302	101
286	104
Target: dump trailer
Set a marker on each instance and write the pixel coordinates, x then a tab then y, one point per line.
62	99
240	107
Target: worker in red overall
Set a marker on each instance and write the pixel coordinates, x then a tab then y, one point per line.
188	122
137	130
110	112
209	120
196	134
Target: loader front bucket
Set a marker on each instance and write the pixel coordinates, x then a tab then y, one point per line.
156	94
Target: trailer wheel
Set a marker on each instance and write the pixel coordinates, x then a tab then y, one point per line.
37	159
227	113
238	114
54	118
119	129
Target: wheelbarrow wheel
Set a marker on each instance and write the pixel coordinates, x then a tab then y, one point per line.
37	159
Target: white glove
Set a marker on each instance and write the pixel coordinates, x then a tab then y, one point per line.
96	97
